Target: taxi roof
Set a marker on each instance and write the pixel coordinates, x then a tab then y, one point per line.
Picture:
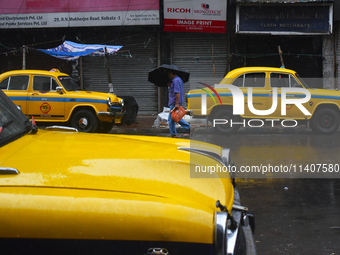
35	72
238	71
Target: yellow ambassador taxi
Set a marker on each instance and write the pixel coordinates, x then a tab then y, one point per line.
65	192
320	108
52	96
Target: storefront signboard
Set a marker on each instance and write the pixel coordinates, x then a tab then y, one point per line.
77	13
284	19
209	16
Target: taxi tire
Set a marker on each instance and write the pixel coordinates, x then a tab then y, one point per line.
240	247
91	118
105	127
131	110
319	124
227	114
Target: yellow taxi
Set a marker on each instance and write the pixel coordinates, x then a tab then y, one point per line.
255	96
52	96
65	192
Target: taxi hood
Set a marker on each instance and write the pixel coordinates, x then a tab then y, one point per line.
129	164
92	94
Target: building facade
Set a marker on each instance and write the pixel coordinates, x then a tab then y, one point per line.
205	38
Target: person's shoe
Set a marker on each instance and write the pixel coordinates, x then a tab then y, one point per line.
174	136
185	135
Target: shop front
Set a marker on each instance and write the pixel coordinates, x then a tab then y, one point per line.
31	25
197	39
296	36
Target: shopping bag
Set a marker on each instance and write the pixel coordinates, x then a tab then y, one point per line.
178	114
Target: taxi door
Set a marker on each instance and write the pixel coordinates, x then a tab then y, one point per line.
257	82
15	87
44	102
281	80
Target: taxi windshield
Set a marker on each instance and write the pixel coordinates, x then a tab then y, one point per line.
302	81
69	83
13	123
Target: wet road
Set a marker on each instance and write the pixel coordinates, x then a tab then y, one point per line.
296	213
294	216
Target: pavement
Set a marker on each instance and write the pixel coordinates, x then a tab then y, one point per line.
144	124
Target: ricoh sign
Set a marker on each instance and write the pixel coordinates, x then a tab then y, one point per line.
178	10
193	16
239	103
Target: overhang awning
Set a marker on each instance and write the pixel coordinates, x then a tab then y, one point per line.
284	1
72	51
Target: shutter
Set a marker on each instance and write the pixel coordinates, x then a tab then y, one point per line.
129	72
205	56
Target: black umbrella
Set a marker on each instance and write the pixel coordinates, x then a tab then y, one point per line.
159	76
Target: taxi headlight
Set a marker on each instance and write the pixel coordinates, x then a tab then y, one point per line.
108	104
108	101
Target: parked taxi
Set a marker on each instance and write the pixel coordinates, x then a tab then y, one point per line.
66	192
52	96
321	110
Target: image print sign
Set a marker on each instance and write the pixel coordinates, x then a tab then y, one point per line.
195	16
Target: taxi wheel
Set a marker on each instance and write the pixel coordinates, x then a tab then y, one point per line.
325	121
240	247
131	110
85	121
223	117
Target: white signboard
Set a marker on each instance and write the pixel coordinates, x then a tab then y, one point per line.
77	13
209	16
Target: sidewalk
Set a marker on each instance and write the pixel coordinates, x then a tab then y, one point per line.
142	125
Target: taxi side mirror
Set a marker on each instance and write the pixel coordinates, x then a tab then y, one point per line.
59	89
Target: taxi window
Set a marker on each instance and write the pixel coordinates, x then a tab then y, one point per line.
279	80
254	80
18	82
4	83
54	84
239	81
42	83
69	83
294	83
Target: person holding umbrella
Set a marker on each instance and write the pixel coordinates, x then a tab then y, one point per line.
176	98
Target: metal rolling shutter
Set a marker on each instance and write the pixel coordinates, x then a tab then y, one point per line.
129	74
198	54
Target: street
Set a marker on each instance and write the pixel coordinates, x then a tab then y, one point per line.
295	212
114	69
